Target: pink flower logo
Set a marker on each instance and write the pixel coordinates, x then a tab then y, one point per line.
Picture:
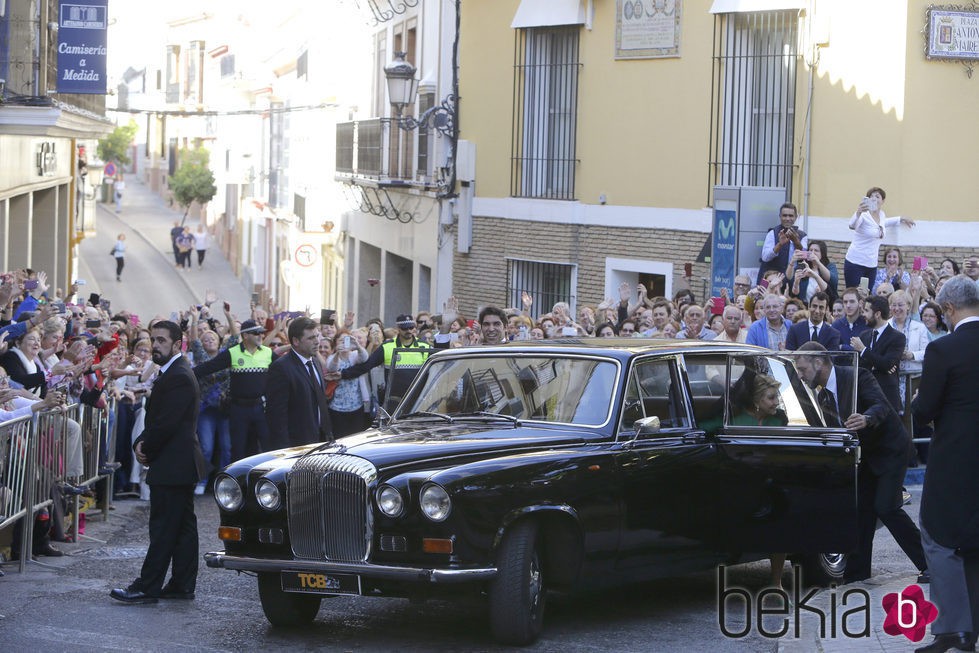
908	613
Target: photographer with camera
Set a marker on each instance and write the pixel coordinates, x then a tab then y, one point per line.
782	241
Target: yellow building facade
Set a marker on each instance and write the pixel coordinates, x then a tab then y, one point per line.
597	130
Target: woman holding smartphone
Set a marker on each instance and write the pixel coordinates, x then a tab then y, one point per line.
350	402
811	272
868	223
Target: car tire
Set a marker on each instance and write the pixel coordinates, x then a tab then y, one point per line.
517	595
285	609
822	569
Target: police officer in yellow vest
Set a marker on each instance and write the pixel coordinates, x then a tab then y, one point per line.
407	365
249	363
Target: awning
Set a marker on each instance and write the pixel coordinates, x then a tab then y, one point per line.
742	6
548	13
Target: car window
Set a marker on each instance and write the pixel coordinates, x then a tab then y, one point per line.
706	376
565	389
795	406
748	390
653	389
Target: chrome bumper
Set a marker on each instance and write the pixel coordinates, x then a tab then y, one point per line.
221	560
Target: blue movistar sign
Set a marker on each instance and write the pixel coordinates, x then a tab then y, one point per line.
723	251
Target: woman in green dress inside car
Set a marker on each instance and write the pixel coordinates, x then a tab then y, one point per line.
762	407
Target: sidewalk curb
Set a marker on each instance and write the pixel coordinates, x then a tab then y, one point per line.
152	245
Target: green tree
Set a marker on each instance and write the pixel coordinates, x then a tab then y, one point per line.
115	146
193	180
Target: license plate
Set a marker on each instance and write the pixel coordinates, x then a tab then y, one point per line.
315	583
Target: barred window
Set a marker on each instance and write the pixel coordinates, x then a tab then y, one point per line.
547	284
753	113
545	112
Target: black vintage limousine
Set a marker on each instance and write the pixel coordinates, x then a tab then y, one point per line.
517	470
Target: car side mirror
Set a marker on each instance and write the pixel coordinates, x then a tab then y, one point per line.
644	426
647	426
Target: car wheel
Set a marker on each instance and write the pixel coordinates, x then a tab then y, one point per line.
822	569
285	609
518	593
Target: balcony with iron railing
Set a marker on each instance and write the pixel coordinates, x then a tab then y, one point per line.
377	152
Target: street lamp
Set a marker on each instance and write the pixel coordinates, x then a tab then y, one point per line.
402	88
402	85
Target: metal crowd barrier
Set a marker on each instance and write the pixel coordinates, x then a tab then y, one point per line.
98	433
35	454
16	451
911	383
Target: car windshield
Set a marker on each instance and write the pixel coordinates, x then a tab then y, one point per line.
566	389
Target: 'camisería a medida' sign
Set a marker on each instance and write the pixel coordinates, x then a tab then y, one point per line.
81	46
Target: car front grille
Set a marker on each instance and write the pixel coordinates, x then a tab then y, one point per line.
330	515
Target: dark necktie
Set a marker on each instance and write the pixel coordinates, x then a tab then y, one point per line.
312	374
873	340
815	332
317	390
828	403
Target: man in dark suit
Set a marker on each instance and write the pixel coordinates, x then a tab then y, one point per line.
295	406
950	498
815	328
881	348
884	448
169	446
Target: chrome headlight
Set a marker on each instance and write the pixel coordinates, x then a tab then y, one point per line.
390	501
228	493
267	494
435	503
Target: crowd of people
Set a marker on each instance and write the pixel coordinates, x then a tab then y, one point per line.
795	298
278	378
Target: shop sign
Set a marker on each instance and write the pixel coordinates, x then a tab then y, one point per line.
82	48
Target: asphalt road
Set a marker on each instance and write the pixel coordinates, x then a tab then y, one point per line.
68	608
150	284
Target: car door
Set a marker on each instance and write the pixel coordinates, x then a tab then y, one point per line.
783	482
667	510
